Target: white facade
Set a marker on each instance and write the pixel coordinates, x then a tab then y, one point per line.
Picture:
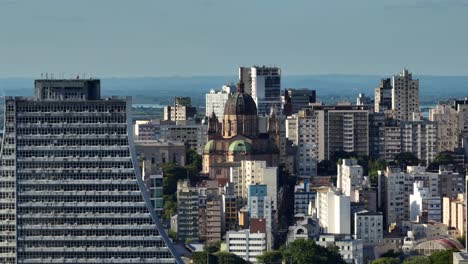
291	129
333	212
368	226
350	178
419	138
306	155
246	245
422	200
255	172
264	85
216	100
395	197
350	249
405	96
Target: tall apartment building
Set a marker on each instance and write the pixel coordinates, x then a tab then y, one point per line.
394	197
264	85
230	208
383	96
187	212
307	143
341	128
297	99
368	226
350	178
181	110
70	185
450	183
246	244
420	138
423	201
303	197
405	96
453	213
216	100
333	211
452	123
255	172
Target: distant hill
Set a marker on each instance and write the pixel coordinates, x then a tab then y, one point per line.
330	88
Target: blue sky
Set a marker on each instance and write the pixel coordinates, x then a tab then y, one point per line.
106	38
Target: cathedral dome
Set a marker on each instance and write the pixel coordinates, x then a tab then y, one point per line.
240	104
209	147
240	146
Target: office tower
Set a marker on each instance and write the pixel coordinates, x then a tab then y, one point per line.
405	96
383	96
181	110
187	212
264	85
333	211
341	128
297	99
216	100
307	142
71	190
452	123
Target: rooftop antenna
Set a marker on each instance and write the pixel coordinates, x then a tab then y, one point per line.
42	75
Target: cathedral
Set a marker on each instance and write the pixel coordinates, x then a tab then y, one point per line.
237	137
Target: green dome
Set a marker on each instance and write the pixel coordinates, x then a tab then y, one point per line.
240	146
209	147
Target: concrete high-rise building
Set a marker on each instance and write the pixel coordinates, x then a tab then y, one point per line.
303	197
255	172
333	212
341	128
187	212
307	143
453	213
264	85
405	96
216	100
246	244
350	178
181	110
70	185
230	208
394	197
452	123
368	226
383	96
297	99
419	137
362	99
422	201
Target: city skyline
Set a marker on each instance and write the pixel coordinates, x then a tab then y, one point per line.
197	38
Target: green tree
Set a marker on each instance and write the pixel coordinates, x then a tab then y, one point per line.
441	159
307	251
392	254
229	258
406	159
212	247
194	161
172	234
418	260
387	261
442	257
270	257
